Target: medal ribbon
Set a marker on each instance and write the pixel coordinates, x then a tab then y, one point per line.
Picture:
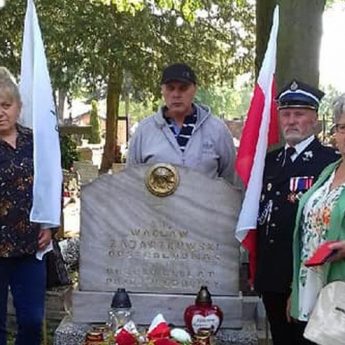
301	183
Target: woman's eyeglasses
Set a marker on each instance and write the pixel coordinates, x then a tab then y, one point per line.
340	128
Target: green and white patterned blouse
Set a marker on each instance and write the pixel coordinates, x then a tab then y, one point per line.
315	223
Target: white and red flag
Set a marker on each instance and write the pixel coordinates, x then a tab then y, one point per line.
260	130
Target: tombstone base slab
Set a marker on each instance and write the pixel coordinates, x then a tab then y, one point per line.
89	306
72	333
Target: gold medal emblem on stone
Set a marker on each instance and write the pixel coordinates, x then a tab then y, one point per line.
162	179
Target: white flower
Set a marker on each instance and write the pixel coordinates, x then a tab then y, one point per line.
180	335
130	328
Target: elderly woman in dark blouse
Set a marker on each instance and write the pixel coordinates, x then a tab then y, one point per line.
20	239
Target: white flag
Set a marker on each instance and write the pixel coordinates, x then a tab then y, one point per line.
38	113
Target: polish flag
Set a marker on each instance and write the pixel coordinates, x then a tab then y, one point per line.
260	130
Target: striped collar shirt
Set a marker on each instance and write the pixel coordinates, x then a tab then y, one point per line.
184	133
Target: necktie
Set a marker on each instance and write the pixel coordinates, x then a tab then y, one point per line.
288	153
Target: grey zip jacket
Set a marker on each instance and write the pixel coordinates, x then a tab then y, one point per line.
210	150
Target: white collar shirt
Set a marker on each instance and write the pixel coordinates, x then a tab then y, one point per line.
300	147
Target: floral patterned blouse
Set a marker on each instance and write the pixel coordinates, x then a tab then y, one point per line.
18	236
315	223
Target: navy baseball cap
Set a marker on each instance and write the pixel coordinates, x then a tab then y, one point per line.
178	72
299	95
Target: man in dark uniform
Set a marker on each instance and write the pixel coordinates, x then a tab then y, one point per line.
289	172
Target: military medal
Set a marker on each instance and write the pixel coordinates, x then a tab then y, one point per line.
269	186
293	187
292	197
298	185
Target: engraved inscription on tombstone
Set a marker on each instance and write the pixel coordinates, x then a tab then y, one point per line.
173	260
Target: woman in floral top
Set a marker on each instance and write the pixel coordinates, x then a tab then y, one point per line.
19	238
320	218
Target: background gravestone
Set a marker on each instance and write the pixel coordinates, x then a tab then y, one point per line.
86	170
161	249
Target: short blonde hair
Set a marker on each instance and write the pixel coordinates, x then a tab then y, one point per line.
8	85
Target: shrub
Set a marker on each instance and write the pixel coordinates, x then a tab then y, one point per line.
95	136
69	153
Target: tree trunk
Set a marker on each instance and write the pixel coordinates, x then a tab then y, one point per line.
264	17
299	41
127	115
113	101
300	30
61	104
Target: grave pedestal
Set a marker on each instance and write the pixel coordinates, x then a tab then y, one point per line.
70	333
252	331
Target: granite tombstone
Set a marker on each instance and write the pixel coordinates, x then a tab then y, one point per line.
86	170
161	233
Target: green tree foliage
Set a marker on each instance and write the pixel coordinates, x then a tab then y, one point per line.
69	153
225	101
94	43
330	3
326	111
216	44
60	26
12	19
95	136
138	110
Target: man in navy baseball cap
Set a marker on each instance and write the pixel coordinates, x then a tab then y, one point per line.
178	72
183	132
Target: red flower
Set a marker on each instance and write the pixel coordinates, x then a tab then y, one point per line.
161	331
125	338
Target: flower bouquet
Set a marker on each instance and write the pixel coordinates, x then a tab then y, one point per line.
159	333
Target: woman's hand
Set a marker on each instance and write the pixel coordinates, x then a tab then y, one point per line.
340	248
44	238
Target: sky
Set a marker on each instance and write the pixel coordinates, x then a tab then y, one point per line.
332	54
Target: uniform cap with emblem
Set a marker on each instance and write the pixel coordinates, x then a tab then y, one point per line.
299	95
178	72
